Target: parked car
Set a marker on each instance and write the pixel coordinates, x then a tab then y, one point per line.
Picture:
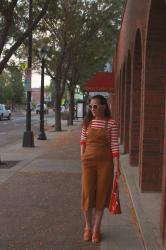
38	109
5	112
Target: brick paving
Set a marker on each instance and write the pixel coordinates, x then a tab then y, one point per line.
41	210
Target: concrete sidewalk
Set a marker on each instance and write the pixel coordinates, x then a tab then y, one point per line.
40	200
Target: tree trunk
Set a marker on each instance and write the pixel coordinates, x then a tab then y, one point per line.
57	108
71	107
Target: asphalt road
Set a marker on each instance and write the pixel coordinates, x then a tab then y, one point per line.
13	130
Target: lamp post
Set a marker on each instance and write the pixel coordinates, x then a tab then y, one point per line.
77	89
42	55
28	137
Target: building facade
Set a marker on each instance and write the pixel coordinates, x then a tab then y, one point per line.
35	96
140	100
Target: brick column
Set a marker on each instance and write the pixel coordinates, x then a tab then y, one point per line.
113	105
122	105
152	142
117	100
127	105
163	195
163	202
135	103
151	157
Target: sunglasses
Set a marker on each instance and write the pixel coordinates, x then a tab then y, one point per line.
93	106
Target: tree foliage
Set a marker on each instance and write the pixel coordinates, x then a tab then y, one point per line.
14	27
5	91
81	36
11	86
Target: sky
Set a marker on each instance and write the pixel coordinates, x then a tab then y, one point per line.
36	80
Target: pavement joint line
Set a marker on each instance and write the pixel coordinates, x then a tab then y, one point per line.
126	185
26	162
23	163
13	143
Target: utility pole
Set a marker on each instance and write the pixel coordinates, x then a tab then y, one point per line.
28	137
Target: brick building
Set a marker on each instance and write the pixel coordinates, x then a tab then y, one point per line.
140	77
35	95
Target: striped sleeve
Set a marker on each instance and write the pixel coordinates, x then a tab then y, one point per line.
83	136
114	139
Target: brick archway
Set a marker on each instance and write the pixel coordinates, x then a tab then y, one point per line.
153	99
135	102
127	104
152	143
147	77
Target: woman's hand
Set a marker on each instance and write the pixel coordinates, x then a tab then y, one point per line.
116	166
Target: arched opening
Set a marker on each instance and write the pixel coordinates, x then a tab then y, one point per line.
127	104
135	102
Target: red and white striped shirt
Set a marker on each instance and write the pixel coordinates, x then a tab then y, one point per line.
111	134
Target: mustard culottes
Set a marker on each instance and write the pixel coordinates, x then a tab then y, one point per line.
97	171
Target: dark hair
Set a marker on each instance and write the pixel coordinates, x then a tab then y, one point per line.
89	115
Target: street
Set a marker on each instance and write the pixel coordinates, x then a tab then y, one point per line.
12	130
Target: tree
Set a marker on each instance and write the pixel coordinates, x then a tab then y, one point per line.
5	90
93	47
14	29
16	84
78	34
11	86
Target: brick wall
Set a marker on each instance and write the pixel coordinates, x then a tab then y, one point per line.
141	93
122	97
127	95
135	101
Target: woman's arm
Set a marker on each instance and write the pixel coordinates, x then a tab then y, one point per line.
116	165
114	139
83	146
115	146
83	141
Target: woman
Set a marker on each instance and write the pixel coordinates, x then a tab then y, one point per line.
100	158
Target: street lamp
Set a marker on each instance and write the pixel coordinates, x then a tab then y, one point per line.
28	137
42	55
77	89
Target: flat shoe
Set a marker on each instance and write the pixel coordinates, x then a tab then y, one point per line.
87	234
96	237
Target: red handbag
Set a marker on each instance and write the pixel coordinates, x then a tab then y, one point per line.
114	206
